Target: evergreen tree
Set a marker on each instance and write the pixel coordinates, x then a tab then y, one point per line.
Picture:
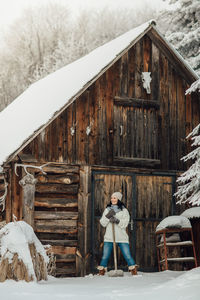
181	27
189	181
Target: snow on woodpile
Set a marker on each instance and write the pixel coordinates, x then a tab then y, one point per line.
22	255
190	213
174	222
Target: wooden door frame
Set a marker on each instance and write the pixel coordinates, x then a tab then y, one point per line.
133	213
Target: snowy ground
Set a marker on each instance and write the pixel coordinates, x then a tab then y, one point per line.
167	285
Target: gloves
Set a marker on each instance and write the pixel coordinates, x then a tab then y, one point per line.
114	220
110	214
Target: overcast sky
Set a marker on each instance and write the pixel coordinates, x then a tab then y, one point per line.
12	9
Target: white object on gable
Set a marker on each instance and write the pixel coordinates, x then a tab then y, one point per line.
146	79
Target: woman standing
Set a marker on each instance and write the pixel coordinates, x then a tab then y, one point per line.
116	213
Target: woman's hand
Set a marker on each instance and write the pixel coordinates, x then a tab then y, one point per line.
110	214
114	220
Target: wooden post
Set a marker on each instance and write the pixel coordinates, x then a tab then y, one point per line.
165	249
84	221
28	183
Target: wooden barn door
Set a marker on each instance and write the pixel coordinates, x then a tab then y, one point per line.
56	214
103	187
148	198
154	201
136	130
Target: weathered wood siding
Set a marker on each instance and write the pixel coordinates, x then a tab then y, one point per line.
154	125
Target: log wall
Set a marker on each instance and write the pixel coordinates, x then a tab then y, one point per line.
56	215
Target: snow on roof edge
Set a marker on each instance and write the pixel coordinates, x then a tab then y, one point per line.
194	87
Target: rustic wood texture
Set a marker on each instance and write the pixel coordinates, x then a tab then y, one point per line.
56	214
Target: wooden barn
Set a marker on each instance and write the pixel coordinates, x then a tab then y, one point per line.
114	120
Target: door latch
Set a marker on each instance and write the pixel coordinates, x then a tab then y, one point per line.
131	224
121	130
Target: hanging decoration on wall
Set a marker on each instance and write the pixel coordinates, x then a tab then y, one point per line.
30	166
3	198
89	127
146	80
73	129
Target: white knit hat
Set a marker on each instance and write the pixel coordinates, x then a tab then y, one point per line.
118	195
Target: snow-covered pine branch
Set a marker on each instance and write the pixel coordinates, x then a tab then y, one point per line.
189	182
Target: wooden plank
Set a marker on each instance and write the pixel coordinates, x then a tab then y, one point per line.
109	114
56	223
80	128
147	61
102	124
131	70
56	202
58	215
57	188
67	178
62	250
64	243
65	226
124	74
56	168
155	73
138	161
124	101
92	139
138	70
60	258
69	139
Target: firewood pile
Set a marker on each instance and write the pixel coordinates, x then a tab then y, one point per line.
22	255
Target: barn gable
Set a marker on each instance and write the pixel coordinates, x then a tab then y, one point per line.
116	115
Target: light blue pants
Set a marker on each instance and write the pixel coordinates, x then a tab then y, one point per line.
125	249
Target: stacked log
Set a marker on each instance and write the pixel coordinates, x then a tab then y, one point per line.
22	255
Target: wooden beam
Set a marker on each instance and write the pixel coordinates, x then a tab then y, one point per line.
136	102
57	215
138	161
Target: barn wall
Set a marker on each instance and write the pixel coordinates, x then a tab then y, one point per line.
176	115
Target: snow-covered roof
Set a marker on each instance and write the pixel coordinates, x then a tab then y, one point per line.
44	100
190	213
174	222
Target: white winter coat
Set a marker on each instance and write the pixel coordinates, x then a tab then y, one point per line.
120	229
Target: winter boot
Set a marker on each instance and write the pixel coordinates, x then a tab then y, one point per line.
133	269
102	270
